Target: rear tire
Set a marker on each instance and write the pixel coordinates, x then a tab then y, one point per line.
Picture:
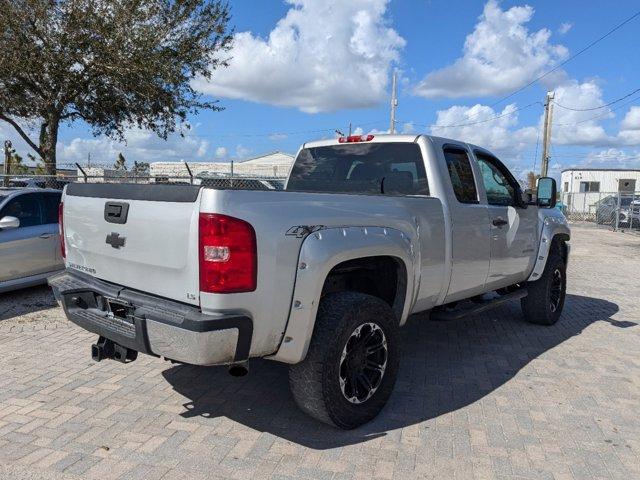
352	363
545	299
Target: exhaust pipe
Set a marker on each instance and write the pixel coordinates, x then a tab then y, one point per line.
107	349
239	369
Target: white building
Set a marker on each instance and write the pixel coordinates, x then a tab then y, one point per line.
271	165
584	189
607	180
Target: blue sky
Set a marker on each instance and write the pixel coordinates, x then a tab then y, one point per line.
328	63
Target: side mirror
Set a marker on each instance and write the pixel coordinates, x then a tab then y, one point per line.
8	223
547	191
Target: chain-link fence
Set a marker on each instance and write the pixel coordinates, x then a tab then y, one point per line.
617	210
218	181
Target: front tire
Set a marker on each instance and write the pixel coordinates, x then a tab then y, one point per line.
545	299
352	363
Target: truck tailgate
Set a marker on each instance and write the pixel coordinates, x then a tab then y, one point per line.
144	237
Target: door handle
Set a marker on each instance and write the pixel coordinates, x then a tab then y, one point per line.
46	235
499	222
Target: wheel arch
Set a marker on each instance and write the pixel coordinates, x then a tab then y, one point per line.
331	253
555	231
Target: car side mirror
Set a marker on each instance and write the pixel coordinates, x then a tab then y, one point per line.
8	222
546	194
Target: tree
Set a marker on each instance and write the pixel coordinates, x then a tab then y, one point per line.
16	167
141	168
115	64
14	161
121	163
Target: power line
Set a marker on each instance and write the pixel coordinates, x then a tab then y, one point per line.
269	134
572	57
600	115
601	106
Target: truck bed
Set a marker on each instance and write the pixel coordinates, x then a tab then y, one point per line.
159	255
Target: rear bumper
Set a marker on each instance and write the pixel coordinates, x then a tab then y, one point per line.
150	324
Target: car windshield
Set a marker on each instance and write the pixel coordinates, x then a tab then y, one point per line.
360	168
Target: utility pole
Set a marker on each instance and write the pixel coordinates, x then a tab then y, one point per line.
7	161
394	104
546	135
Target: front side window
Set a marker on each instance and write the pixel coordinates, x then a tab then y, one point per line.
360	168
500	190
461	174
25	208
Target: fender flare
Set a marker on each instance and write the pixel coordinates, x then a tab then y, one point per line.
320	253
552	228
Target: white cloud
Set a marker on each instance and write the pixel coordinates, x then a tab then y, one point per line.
141	146
242	152
572	127
474	125
322	56
408	127
630	127
501	132
278	136
499	56
632	119
612	158
565	27
221	152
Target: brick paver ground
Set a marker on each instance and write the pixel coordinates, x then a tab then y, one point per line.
486	397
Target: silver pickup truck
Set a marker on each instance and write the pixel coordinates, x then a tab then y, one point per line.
369	230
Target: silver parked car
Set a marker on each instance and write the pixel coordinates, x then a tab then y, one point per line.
29	237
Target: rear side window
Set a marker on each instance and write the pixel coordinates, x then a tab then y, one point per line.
361	168
51	202
461	174
26	208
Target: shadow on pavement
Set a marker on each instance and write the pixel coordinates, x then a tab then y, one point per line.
446	366
24	301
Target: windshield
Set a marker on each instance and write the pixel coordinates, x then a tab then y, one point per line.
360	168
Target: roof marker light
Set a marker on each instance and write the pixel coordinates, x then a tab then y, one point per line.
355	138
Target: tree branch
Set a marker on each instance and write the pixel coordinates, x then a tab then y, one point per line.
22	133
69	115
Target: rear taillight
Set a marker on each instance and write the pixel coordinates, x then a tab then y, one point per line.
228	256
61	229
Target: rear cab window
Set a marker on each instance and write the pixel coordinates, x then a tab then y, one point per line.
461	174
360	168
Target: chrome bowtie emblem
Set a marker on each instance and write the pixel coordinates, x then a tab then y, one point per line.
115	240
